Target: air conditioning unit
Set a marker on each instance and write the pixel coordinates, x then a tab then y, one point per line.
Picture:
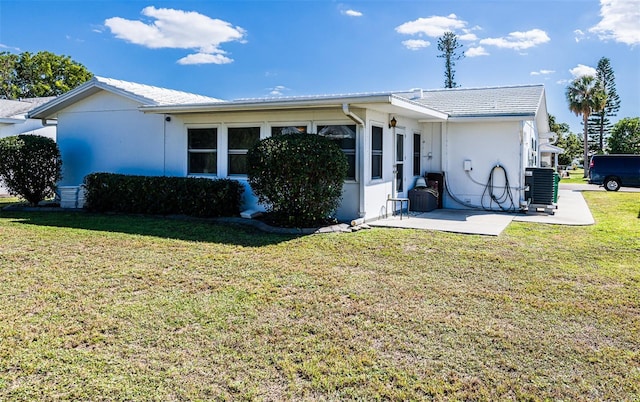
539	191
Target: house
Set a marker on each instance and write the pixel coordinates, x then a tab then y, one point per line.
471	135
14	120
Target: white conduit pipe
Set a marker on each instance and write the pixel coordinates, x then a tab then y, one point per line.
359	121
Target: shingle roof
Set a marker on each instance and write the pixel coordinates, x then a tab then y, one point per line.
155	95
481	102
17	108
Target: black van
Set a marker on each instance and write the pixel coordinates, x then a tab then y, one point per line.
615	171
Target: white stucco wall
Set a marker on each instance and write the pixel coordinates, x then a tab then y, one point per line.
106	133
486	145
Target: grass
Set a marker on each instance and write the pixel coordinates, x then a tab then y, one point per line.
575	176
108	307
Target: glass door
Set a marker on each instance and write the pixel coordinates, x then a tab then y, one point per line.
399	163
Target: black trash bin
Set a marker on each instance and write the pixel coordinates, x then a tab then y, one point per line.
423	199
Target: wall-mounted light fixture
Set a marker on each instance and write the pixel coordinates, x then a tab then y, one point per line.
392	122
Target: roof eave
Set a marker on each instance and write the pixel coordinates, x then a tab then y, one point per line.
429	113
11	120
489	117
91	87
298	104
263	104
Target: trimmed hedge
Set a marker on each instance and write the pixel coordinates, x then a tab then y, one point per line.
161	195
298	178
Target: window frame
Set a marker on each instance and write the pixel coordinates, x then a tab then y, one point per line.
350	151
239	151
214	151
417	154
377	153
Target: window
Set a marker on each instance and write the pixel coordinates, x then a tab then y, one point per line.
288	130
376	152
202	150
240	140
416	154
345	137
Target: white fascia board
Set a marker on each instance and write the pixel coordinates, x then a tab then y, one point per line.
551	148
542	117
431	114
266	104
10	120
91	87
496	117
48	109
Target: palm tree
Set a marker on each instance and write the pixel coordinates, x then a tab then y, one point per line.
585	96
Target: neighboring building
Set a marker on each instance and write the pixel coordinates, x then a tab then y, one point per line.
108	125
14	120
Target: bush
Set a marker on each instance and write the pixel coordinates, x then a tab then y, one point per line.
159	195
30	166
298	177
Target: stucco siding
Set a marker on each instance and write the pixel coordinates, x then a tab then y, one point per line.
485	145
103	134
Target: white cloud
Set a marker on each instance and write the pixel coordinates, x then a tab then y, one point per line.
579	35
469	37
205	58
179	29
433	26
476	51
581	70
416	44
3	46
542	72
619	21
518	40
352	13
277	90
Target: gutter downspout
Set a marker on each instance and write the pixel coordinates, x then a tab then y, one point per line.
358	121
522	201
45	123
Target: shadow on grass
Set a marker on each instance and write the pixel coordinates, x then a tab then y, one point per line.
197	230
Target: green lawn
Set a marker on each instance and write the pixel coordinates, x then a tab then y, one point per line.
575	176
136	308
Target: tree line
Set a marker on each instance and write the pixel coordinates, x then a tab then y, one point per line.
28	75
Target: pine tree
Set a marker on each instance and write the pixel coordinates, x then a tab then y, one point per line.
600	125
448	44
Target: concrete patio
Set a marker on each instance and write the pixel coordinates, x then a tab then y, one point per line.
572	210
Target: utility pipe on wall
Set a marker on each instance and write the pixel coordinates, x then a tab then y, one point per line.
345	109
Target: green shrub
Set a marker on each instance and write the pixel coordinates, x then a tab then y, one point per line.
30	166
298	178
160	195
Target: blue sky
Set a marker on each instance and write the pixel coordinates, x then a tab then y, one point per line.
244	49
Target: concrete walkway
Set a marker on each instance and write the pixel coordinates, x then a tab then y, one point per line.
572	210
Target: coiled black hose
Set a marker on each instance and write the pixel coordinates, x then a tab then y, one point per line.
499	199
